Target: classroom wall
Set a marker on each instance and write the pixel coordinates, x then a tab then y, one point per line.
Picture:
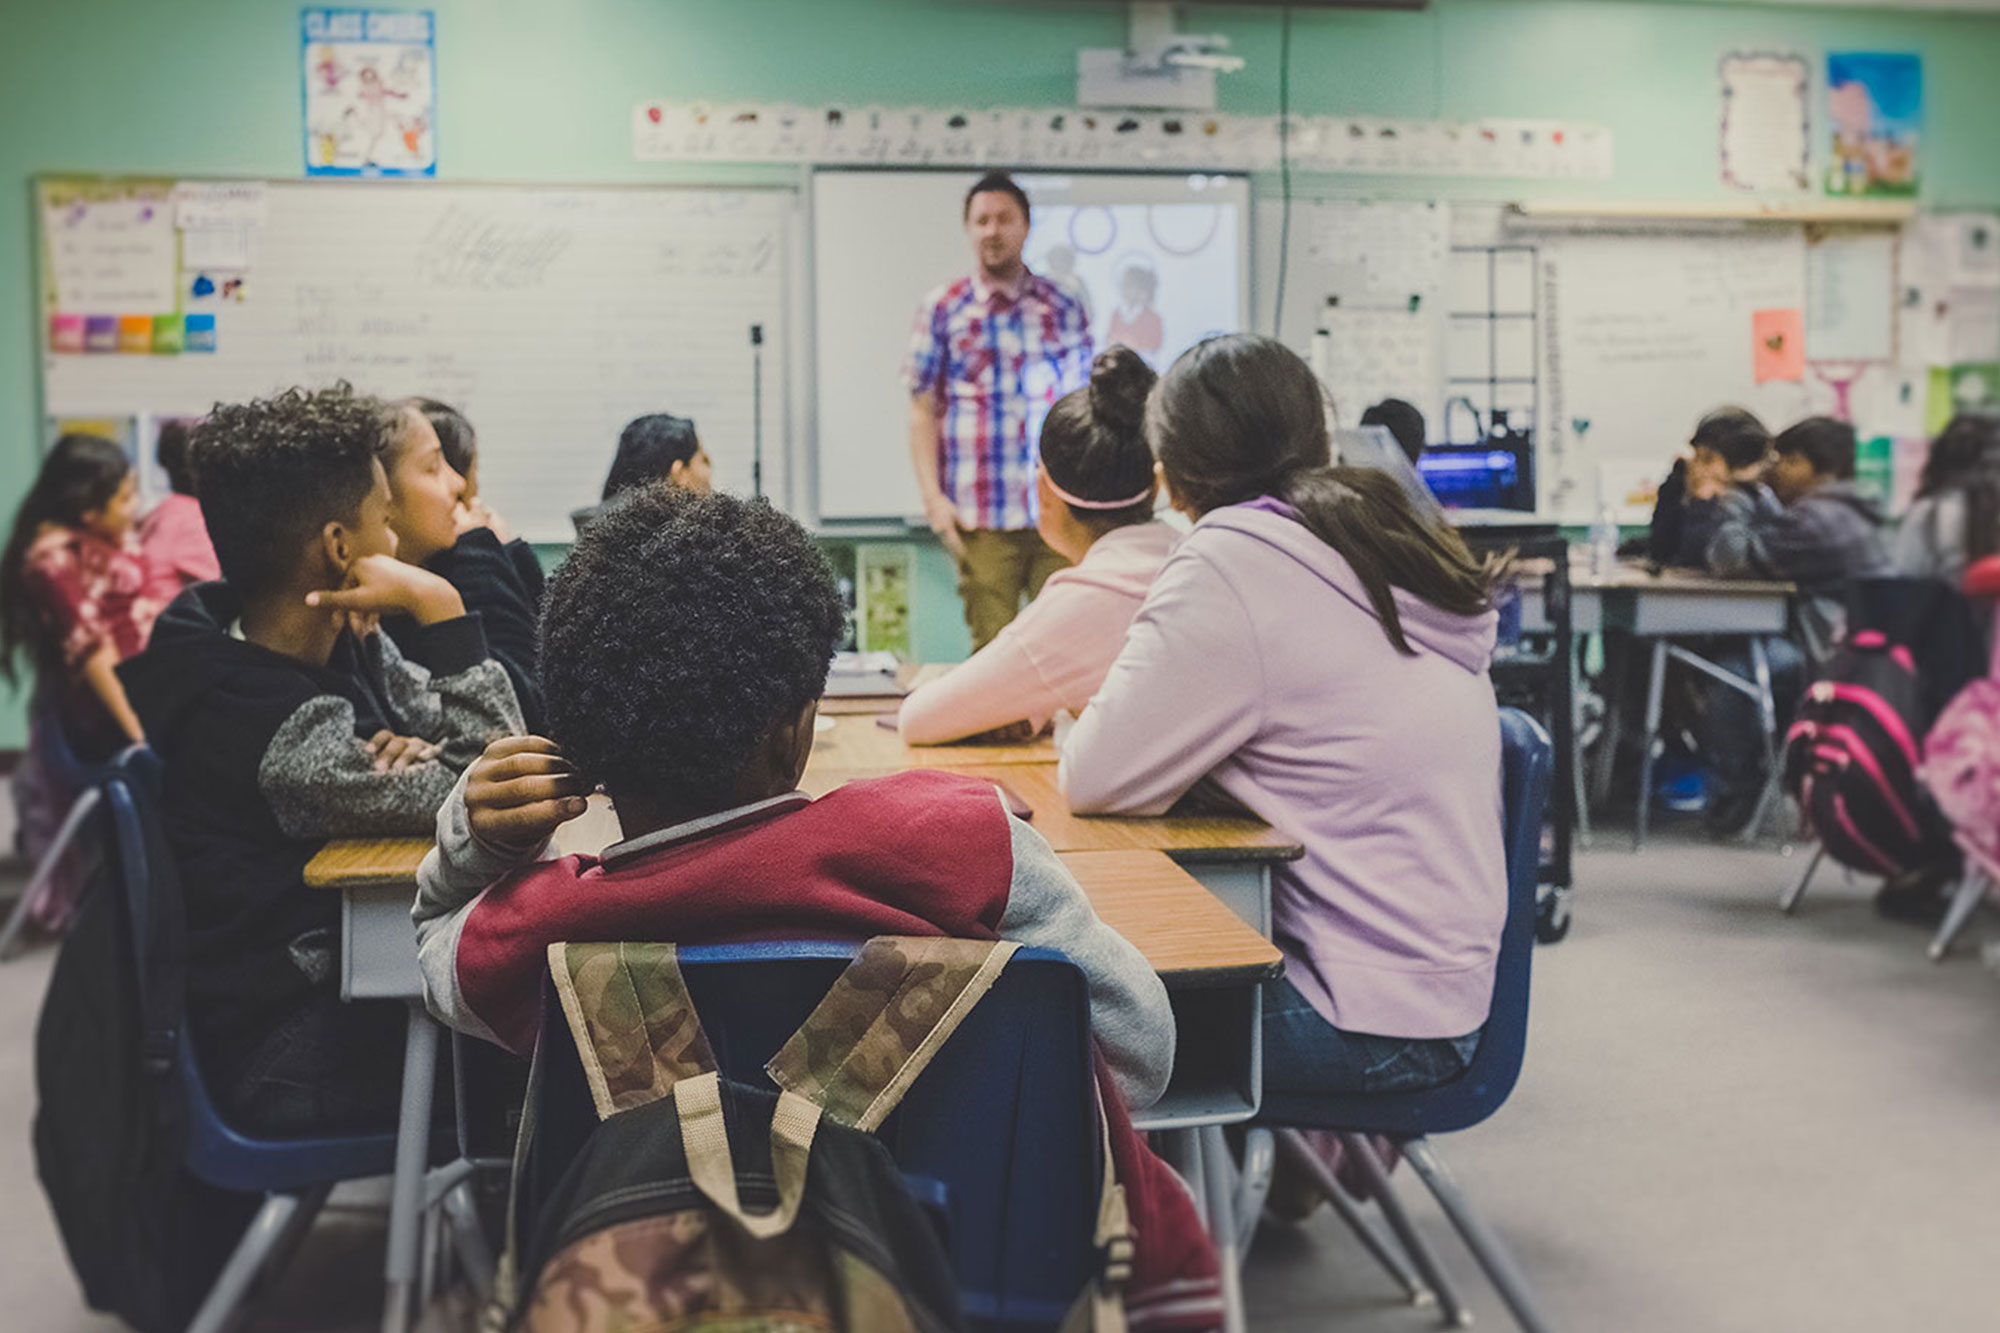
536	91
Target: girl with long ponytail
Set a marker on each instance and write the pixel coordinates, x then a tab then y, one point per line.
1319	649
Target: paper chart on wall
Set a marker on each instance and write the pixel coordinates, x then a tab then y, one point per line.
1765	143
1082	137
110	253
1850	297
370	78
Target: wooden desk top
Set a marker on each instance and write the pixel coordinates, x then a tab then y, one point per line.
860	743
1189	838
1184	931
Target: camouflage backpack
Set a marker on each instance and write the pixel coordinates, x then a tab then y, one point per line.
700	1203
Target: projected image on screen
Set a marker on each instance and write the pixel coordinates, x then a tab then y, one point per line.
1157	278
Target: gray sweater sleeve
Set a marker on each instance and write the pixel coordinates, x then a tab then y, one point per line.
321	782
1129	1013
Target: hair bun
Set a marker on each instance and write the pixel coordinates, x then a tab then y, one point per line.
1120	379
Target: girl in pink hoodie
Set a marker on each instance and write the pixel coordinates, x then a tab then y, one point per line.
1096	487
1320	651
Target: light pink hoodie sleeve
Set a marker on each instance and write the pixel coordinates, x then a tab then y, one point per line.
996	686
1185	694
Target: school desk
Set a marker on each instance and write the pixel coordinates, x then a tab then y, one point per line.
1212	963
1661	606
860	741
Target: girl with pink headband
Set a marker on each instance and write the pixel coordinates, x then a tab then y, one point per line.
1096	488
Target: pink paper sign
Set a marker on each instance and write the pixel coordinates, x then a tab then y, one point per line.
1778	345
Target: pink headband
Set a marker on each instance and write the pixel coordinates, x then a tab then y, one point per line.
1075	503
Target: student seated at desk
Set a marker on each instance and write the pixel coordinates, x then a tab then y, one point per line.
1728	450
1403	421
659	447
1955	518
281	727
1320	651
461	450
1827	533
435	527
687	642
1096	488
173	537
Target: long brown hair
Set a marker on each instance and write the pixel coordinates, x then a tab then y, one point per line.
81	473
1239	416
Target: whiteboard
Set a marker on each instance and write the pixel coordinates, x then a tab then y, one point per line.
550	315
1643	334
882	240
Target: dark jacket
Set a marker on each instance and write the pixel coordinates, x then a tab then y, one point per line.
1822	541
265	760
1683	528
491	579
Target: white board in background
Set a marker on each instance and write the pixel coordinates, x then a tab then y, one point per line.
1850	297
1644	333
551	315
882	240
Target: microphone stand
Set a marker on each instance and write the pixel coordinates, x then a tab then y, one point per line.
757	411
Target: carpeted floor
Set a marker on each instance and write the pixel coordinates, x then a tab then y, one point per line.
1728	1121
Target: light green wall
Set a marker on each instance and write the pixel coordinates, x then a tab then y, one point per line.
543	90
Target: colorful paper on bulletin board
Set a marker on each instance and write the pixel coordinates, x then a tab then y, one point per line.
1968	388
1766	140
1875	104
370	78
119	430
1778	343
885	598
199	335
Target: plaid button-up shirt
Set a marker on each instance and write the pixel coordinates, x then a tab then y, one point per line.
994	361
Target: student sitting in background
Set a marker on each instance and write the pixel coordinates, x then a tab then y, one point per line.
1097	487
1319	651
284	722
1401	420
173	537
1729	449
687	642
659	447
75	594
1955	518
461	450
434	529
1827	533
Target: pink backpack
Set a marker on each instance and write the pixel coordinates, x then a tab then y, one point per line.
1961	763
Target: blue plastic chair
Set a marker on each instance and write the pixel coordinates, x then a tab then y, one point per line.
998	1136
294	1175
1409	1118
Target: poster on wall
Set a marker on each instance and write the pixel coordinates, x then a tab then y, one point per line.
1875	107
1765	144
370	78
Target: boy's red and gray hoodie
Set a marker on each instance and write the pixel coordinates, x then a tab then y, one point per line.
917	853
265	759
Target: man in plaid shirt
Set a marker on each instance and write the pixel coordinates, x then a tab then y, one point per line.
989	355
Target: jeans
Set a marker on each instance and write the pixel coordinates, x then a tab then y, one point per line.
1303	1053
328	1068
1732	741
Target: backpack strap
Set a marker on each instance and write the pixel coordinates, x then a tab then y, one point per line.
1100	1306
705	1139
901	998
632	1020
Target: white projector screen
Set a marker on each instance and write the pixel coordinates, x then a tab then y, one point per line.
1175	246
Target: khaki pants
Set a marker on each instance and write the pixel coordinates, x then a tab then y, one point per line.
996	569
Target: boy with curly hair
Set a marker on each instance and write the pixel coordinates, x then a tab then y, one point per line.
685	645
285	719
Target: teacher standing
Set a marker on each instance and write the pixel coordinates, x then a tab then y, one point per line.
991	353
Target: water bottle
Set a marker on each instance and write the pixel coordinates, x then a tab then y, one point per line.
1604	542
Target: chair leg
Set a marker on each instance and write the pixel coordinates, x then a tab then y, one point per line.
475	1256
1450	1303
1253	1184
1971	891
286	1247
1788	901
46	868
1499	1266
1222	1224
219	1309
1298	1155
1656	683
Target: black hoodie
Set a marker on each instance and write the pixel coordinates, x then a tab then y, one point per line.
266	759
493	578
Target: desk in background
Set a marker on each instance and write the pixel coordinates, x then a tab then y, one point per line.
855	741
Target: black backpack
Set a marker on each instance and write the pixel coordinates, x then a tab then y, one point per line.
1851	754
146	1239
